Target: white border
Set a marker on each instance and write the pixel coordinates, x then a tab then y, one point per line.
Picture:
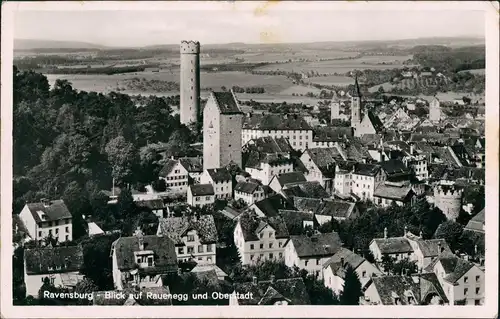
489	310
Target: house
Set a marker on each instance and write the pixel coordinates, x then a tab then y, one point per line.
289	291
212	268
278	182
476	224
395	170
264	167
270	206
387	193
221	180
61	265
398	248
194	237
260	239
249	192
463	282
20	235
293	127
421	289
200	195
175	175
306	189
311	252
424	251
328	136
194	167
132	297
157	206
342	183
364	179
335	267
326	210
47	218
370	124
297	221
140	261
320	164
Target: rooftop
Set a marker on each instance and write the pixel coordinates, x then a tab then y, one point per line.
177	227
291	290
50	211
202	189
252	226
53	260
219	174
393	245
275	122
226	102
317	245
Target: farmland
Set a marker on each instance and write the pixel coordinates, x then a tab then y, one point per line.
309	55
336	80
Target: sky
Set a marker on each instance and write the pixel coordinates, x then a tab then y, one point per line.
227	23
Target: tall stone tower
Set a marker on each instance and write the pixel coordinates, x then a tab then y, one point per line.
356	105
222	125
334	108
435	110
190	82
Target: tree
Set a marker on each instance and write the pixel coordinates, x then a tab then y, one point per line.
352	288
76	199
451	232
404	267
86	286
122	156
387	263
97	266
159	185
126	207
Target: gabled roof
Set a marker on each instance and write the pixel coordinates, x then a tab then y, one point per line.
453	266
226	103
431	247
219	174
192	164
202	189
268	145
168	167
252	226
393	245
331	133
246	187
165	258
477	222
395	168
366	169
377	124
335	208
152	204
349	257
399	193
317	245
290	178
177	227
324	157
55	210
311	189
275	122
270	206
294	220
293	290
61	259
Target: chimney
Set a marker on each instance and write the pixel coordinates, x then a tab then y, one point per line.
406	231
420	235
172	157
45	202
342	261
475	250
411	149
439	248
254	280
273	279
385	233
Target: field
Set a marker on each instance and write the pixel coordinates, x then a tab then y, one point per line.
330	80
294	56
448	96
340	66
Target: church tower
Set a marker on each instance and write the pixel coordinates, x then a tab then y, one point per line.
435	110
356	105
190	82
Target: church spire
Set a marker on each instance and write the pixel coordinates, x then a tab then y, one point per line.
357	92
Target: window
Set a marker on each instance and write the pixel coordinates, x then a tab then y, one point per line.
271	235
50	231
209	248
317	261
181	250
251	247
190	250
200	248
40	233
477	278
261	246
271	256
190	238
261	235
229	145
477	290
270	245
251	257
280	255
56	223
150	261
197	199
57	230
306	262
67	237
466	290
67	229
466	279
209	259
261	256
200	258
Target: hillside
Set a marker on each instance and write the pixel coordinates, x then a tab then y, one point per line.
31	44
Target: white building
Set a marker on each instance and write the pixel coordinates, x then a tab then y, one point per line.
311	252
335	267
249	192
364	179
175	176
320	164
267	166
278	182
221	180
61	265
47	218
293	127
435	110
260	239
195	238
200	195
342	183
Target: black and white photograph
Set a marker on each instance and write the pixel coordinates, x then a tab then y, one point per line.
255	154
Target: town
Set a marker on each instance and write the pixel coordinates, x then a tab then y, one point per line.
363	199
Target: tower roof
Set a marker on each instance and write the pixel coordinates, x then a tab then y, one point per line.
357	91
226	102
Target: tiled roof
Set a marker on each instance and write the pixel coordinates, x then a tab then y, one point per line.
202	189
254	159
294	220
454	267
53	260
429	284
268	144
270	206
467	173
165	258
246	187
177	227
335	208
192	164
291	178
292	290
252	226
56	210
324	157
395	168
311	189
377	124
350	258
226	102
477	222
366	169
430	247
356	151
392	192
393	245
275	122
345	166
168	167
152	204
331	133
306	204
317	245
219	174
